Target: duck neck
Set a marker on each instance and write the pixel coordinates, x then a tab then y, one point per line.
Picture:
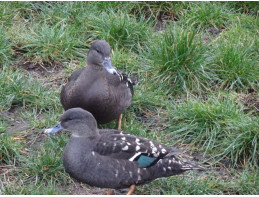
95	66
79	131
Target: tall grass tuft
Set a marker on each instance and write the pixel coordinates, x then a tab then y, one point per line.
202	15
120	29
17	89
220	127
47	43
158	10
9	149
46	164
179	56
236	60
13	11
248	7
5	47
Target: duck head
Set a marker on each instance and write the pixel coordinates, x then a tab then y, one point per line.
100	55
78	121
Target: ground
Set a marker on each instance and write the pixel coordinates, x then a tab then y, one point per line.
198	70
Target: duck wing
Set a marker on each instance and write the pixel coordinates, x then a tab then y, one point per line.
129	81
122	145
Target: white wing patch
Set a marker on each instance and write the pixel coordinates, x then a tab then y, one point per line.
134	156
137	148
125	147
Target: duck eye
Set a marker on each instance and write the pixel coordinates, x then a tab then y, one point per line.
97	51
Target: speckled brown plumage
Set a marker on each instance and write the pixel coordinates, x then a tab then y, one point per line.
112	159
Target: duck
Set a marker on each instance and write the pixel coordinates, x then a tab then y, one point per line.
99	87
110	158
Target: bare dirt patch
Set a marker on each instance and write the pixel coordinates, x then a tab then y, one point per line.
251	101
50	73
152	120
214	32
211	33
164	19
78	188
20	128
14	122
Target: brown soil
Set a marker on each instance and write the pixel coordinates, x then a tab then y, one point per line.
15	123
212	33
50	73
251	101
164	19
155	122
78	188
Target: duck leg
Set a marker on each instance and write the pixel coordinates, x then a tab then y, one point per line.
119	122
110	192
131	189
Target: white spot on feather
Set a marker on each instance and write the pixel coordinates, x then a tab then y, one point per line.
129	80
114	146
134	156
163	151
123	138
164	169
169	168
128	143
116	173
125	148
115	139
137	148
130	174
93	153
154	149
139	178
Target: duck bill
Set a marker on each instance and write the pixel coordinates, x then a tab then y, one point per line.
54	129
108	66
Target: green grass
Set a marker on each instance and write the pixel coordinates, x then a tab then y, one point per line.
248	7
219	127
159	10
206	14
236	60
197	65
22	189
11	12
46	164
5	47
9	150
18	90
120	29
45	43
3	127
205	184
179	57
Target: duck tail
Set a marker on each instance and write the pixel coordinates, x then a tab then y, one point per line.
176	155
187	165
170	165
